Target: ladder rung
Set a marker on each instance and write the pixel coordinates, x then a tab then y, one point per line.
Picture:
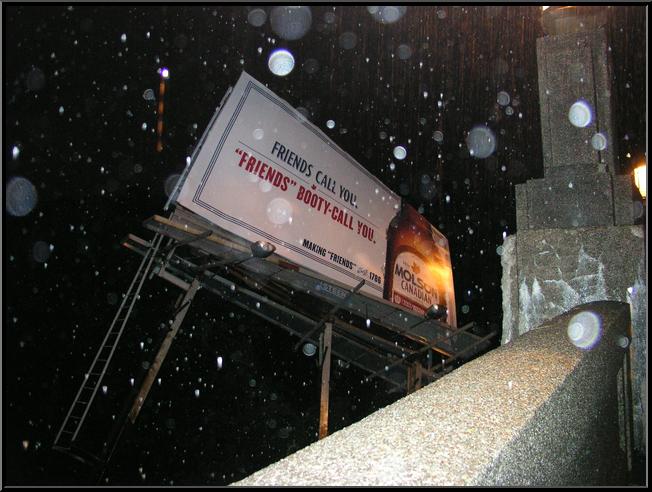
67	432
82	402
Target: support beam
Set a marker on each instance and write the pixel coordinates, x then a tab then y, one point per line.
414	378
184	305
325	380
334	309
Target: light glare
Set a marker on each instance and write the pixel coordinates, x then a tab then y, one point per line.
281	62
640	179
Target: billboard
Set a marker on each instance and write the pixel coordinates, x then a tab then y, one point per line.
419	273
264	172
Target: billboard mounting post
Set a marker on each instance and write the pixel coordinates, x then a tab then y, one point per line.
325	379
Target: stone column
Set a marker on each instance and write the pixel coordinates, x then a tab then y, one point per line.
576	241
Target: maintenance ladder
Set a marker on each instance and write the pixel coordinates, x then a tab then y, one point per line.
78	411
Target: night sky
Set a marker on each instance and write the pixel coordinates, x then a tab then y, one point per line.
81	171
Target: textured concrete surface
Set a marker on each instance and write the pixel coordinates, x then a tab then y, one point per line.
554	270
573	67
537	411
579	187
546	272
576	200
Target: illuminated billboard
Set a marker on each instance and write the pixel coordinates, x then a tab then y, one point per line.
264	172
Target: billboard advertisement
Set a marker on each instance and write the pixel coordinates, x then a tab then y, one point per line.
419	273
264	172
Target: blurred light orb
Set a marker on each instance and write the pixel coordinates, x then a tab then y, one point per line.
265	186
281	62
400	153
20	196
35	79
404	52
348	40
291	23
170	183
15	152
165	72
580	114
509	111
329	17
311	65
584	330
481	142
438	136
303	115
258	133
599	142
330	124
309	349
41	251
387	14
427	190
257	17
503	98
148	95
279	211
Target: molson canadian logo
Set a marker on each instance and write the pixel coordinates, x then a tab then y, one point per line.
411	280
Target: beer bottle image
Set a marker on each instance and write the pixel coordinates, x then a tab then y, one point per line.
418	271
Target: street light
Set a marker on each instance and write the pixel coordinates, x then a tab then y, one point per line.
566	19
640	179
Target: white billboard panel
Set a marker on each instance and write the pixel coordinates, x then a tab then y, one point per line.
266	173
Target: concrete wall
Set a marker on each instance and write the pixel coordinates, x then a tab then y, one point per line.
548	271
536	411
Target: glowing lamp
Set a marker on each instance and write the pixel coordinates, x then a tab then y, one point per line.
640	179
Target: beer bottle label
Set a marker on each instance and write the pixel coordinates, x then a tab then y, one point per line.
413	282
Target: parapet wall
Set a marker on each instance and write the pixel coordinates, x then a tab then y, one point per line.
536	411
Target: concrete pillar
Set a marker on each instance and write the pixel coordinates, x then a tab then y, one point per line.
576	240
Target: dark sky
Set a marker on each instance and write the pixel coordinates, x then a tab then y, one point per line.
78	128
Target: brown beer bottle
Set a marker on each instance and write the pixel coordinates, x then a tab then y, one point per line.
418	271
